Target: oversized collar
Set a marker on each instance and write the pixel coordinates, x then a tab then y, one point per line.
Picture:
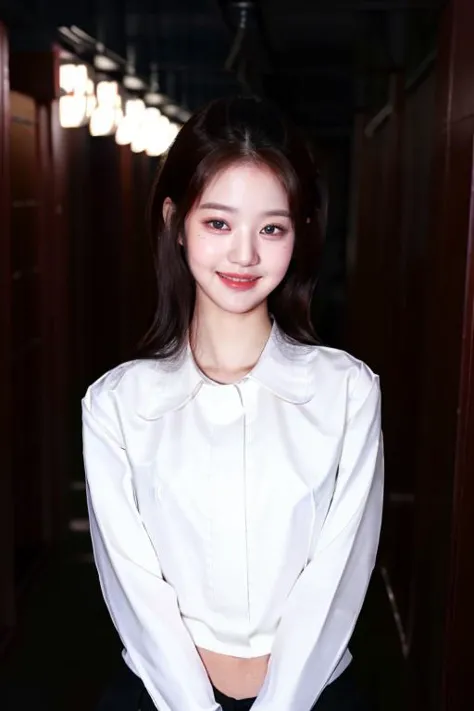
284	368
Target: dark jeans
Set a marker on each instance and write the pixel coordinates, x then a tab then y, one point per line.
127	693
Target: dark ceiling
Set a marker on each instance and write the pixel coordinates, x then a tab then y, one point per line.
320	58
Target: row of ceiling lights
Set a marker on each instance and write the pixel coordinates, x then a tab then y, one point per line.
109	109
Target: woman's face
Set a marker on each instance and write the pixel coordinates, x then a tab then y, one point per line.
239	238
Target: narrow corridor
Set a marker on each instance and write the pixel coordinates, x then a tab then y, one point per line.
384	91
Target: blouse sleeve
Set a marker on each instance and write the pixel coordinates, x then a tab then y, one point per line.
143	607
323	607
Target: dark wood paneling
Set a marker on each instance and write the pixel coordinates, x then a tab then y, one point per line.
43	82
445	479
55	312
34	346
103	258
79	226
444	618
142	284
387	263
137	279
7	602
93	215
58	321
376	273
108	189
460	617
461	17
419	331
127	251
28	404
412	287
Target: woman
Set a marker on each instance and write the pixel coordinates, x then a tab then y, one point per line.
235	473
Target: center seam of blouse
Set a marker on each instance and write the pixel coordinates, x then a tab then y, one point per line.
244	469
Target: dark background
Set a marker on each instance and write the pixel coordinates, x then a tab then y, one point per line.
384	90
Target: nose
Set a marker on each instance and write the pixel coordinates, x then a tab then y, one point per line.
244	249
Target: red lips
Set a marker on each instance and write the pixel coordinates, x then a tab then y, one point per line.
238	282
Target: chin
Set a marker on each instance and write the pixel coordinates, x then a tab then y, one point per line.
239	309
240	305
242	311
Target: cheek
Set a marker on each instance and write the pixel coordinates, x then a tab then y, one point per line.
202	249
278	260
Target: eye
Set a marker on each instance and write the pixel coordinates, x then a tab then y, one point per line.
273	230
218	225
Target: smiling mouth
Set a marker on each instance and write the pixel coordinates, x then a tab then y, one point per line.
238	281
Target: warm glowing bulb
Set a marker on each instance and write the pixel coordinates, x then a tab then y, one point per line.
138	143
160	139
125	131
173	131
107	92
67	77
134	108
91	104
72	110
82	79
73	78
102	121
131	123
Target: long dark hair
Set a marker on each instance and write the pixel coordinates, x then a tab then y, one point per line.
224	132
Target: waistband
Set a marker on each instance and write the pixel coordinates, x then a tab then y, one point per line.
229	704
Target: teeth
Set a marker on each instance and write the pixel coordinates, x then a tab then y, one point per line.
243	279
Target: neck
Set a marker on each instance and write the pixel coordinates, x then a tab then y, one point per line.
229	344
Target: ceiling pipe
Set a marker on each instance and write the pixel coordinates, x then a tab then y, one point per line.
249	55
243	7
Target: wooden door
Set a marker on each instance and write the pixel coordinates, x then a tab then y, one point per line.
444	569
28	394
388	310
7	598
375	319
33	337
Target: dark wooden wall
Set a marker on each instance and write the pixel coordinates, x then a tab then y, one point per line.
76	297
411	271
387	287
108	188
7	607
444	572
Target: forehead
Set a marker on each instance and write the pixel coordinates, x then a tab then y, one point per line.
245	180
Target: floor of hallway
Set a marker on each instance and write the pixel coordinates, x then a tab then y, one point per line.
66	649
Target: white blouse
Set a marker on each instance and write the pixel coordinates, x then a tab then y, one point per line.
240	518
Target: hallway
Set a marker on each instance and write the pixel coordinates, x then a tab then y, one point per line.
92	94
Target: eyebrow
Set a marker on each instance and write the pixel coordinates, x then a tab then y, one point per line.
228	208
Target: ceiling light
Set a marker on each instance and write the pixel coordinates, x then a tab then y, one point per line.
171	110
154	98
131	121
73	78
161	137
105	64
148	126
74	83
108	112
134	83
72	110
